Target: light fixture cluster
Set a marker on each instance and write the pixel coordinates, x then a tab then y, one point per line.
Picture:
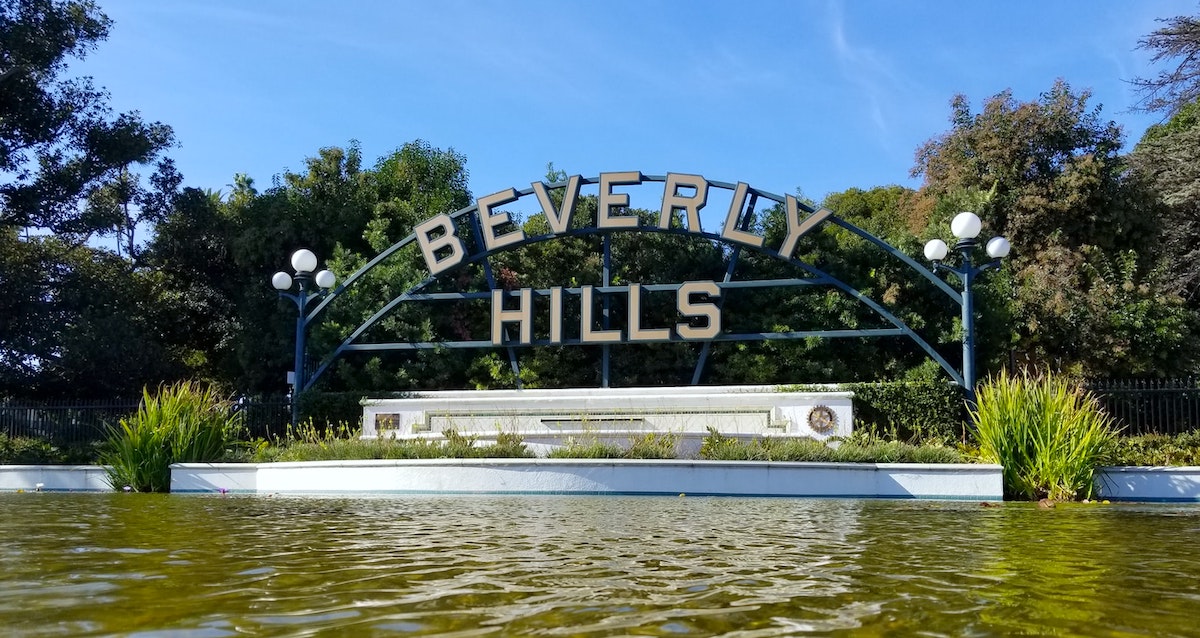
304	262
966	227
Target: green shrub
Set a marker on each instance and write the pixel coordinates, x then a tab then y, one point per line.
718	447
25	451
935	454
351	449
1049	436
312	431
915	412
861	448
182	423
1157	449
340	443
331	407
592	449
653	445
926	410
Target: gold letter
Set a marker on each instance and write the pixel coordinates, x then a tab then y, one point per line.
447	239
610	200
559	221
586	334
673	201
730	231
556	314
490	222
636	332
688	309
796	230
522	314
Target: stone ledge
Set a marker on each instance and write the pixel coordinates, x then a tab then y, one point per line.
596	476
1179	484
53	478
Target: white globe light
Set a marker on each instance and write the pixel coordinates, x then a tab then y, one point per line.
966	225
281	281
936	249
304	260
998	247
326	279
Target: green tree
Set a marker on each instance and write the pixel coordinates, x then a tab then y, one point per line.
59	142
216	256
1053	181
1178	45
75	322
1168	159
122	205
191	257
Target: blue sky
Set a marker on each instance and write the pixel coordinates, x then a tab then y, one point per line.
812	95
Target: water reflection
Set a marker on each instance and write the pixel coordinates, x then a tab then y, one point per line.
221	566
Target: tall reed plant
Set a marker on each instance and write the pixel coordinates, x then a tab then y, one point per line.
182	423
1049	435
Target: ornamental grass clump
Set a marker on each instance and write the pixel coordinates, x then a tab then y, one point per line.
182	423
1158	450
1049	435
587	449
341	442
859	448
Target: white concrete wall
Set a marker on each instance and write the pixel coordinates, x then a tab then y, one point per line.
602	476
53	478
983	482
215	477
608	412
1169	484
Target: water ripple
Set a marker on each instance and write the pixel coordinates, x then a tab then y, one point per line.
149	566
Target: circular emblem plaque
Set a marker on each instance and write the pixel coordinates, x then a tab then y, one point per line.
822	419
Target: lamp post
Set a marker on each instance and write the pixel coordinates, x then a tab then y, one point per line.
308	286
966	227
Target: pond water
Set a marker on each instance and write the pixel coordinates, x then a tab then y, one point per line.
211	566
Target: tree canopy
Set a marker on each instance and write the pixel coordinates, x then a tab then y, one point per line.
1089	292
1168	159
59	141
1103	279
1177	45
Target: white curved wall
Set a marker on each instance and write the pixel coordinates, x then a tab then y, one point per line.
598	476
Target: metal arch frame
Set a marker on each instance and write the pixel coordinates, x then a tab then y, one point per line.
818	277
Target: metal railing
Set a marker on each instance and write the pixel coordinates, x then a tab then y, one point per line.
1140	406
1150	406
68	422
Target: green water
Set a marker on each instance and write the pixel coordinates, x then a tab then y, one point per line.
210	566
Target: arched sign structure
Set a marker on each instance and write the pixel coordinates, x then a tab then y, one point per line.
697	301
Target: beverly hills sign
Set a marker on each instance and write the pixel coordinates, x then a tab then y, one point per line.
540	317
443	249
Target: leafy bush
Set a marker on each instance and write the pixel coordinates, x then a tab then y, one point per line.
1157	449
866	448
24	451
1049	436
183	423
340	443
910	411
653	445
927	410
718	447
592	449
331	407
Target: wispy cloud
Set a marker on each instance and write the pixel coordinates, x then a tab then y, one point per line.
880	86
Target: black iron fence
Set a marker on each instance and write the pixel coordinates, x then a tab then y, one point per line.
1146	406
72	422
1141	406
62	422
